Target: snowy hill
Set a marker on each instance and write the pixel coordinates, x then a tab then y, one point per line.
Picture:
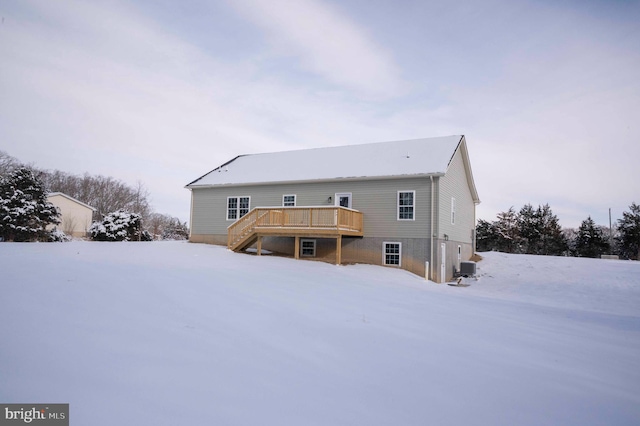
171	333
608	286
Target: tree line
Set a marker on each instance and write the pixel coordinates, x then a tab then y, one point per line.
107	195
537	231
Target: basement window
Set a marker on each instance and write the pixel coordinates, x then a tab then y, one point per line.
392	254
308	248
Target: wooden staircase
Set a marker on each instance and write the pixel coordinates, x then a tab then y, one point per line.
242	233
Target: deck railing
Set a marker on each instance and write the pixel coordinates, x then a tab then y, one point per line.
327	220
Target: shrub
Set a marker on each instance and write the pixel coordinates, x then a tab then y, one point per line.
118	226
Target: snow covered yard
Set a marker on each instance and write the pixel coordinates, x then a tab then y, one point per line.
172	333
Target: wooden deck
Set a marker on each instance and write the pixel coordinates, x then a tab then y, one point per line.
319	222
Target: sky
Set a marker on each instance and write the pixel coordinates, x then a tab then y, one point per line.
160	92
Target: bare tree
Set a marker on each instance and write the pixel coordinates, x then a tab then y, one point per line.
106	195
140	203
7	163
165	227
68	225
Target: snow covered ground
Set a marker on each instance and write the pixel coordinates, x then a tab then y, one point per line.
172	333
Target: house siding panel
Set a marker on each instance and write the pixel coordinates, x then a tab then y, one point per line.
454	185
376	199
451	262
75	218
415	251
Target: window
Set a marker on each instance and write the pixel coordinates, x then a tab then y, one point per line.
343	199
289	200
392	253
406	205
308	248
453	211
237	207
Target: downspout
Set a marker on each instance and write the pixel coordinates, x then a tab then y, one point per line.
475	233
431	232
191	216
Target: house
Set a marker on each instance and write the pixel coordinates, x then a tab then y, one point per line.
406	204
75	216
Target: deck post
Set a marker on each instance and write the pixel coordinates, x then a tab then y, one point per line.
339	250
297	248
259	245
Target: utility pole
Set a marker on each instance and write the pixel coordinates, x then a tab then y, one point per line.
610	234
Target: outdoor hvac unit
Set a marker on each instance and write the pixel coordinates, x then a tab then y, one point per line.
468	269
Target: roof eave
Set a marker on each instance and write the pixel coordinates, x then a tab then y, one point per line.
68	197
326	180
217	168
462	146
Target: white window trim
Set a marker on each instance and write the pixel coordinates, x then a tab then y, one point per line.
302	241
453	211
398	205
295	199
336	200
237	208
384	253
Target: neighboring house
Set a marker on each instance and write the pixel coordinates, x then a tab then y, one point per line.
407	204
75	216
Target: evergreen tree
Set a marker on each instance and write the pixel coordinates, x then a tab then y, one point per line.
552	241
570	235
485	236
506	231
529	229
629	233
119	226
24	209
532	231
590	240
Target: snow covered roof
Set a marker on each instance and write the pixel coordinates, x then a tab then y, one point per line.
429	156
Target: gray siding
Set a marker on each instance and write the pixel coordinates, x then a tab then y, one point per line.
376	199
451	262
454	185
369	250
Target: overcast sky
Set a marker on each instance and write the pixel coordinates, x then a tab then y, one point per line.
546	92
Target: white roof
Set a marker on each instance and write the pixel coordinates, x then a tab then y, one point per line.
430	156
62	194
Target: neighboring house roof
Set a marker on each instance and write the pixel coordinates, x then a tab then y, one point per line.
61	194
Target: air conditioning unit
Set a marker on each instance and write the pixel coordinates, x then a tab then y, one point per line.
468	269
